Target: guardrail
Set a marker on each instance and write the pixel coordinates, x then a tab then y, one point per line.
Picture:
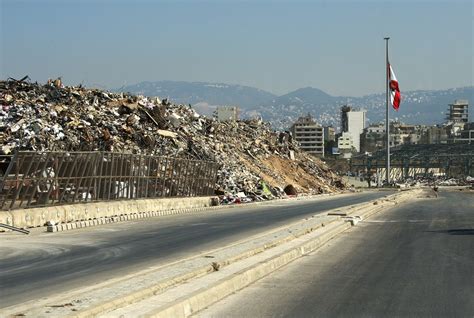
36	179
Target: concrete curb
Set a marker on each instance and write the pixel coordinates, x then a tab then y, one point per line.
203	298
160	287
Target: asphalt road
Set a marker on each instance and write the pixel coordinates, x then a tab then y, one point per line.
39	265
414	261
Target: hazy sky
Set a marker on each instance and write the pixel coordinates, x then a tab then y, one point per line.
278	46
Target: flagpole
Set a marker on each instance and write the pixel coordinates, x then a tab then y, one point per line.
387	124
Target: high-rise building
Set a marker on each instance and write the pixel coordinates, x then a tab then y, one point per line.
353	122
309	135
458	112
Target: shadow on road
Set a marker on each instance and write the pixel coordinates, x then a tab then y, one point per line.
456	231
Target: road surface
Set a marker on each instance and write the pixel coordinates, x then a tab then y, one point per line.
43	264
414	261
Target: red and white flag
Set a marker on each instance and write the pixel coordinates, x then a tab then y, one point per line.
395	96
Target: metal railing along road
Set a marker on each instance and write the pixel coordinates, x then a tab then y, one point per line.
35	179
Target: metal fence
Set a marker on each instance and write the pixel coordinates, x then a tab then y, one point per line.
34	179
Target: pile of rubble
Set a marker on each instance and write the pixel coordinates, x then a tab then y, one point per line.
256	162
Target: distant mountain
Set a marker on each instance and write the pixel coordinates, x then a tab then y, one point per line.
306	94
418	107
203	96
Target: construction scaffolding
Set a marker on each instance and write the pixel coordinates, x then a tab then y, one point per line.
35	179
410	161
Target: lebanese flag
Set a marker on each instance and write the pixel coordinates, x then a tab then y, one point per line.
395	96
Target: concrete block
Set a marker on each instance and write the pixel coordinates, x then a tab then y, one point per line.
70	212
6	218
141	205
56	214
33	217
110	209
105	209
149	205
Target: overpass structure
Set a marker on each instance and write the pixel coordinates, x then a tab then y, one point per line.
410	161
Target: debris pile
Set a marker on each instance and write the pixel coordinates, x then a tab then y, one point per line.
256	162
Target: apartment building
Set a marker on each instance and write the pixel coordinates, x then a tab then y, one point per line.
309	135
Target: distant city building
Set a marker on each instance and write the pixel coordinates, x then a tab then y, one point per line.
402	134
458	112
353	122
376	129
345	144
466	135
454	129
309	135
329	133
330	145
227	113
372	138
434	135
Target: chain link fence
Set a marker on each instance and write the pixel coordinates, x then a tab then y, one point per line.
36	179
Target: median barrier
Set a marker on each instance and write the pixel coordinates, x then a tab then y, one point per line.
53	215
6	218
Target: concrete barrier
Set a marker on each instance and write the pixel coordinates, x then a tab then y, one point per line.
6	218
100	210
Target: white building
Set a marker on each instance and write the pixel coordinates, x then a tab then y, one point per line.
376	129
345	144
353	122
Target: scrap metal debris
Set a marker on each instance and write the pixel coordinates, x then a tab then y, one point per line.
256	162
